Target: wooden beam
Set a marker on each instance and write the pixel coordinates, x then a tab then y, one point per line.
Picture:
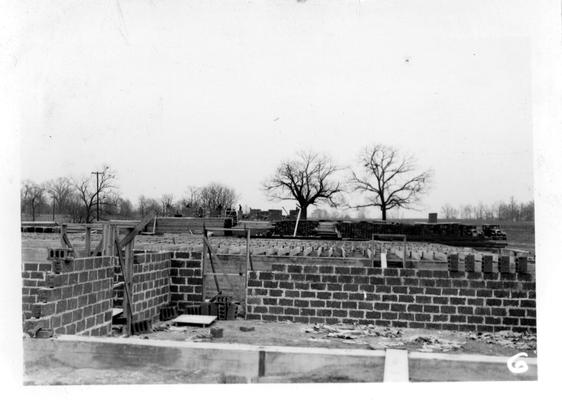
127	309
88	241
136	230
62	233
396	366
209	249
98	248
68	244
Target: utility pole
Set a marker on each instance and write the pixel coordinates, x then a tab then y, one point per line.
97	173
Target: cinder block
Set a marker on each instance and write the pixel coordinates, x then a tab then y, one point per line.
487	264
505	265
29	267
43	333
522	265
453	262
470	263
58	254
32	326
39	310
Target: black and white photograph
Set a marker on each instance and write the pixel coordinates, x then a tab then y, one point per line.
282	192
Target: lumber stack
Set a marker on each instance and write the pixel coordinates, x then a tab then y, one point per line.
186	225
287	228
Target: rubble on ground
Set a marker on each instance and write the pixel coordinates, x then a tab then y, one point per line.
380	338
514	340
353	331
431	343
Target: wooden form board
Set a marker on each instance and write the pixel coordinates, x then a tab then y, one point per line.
396	366
195	319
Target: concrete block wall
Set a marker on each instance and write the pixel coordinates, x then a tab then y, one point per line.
150	285
449	300
186	283
68	296
33	279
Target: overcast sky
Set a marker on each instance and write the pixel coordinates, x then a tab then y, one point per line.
174	93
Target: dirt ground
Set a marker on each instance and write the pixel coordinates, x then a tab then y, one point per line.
52	370
349	337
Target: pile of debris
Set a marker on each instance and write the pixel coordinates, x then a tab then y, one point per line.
513	340
353	331
356	334
431	343
380	338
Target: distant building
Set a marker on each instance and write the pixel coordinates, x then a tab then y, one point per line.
432	218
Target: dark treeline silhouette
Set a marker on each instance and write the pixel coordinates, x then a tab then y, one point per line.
82	199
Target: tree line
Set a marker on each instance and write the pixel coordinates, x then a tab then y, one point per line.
383	178
89	198
499	211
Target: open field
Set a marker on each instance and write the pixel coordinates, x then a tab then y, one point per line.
520	235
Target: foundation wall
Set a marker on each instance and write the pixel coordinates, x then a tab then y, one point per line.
150	285
450	300
186	282
68	296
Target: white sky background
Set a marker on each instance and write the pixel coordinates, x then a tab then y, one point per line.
174	93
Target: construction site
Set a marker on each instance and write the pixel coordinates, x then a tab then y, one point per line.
186	300
285	192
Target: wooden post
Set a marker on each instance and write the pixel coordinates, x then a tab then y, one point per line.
105	240
111	248
203	255
88	241
246	274
297	223
372	246
404	254
62	235
127	278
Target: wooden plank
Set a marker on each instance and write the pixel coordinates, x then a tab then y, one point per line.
210	251
396	366
68	244
136	230
62	234
223	274
129	259
98	248
383	260
127	299
249	265
194	319
203	252
88	241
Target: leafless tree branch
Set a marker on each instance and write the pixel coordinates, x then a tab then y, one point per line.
389	179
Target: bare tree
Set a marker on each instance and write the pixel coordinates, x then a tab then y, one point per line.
143	202
308	179
217	197
167	201
449	212
152	206
388	179
192	197
466	211
61	191
89	194
479	211
32	196
124	207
